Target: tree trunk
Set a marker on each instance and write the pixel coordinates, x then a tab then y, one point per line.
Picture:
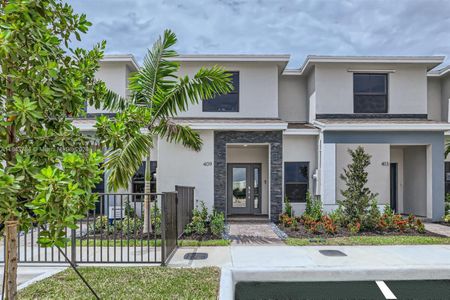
147	201
11	260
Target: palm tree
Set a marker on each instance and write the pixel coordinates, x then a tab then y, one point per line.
157	95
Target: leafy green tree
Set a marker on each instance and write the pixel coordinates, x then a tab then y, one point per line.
158	94
357	196
48	167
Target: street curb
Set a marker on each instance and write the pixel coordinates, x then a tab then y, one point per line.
230	276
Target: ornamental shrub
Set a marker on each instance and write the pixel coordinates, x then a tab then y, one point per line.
372	218
287	207
313	207
357	196
217	223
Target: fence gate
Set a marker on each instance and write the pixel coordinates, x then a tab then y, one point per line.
169	229
185	206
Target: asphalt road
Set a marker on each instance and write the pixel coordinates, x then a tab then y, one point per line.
423	289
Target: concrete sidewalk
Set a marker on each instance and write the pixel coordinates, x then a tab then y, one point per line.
27	275
422	256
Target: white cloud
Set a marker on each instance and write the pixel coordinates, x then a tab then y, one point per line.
299	28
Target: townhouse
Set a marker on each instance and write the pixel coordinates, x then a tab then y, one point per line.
285	132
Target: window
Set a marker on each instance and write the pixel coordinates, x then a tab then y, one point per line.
225	103
370	93
138	180
296	179
447	177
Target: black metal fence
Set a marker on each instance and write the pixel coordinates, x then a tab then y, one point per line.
123	228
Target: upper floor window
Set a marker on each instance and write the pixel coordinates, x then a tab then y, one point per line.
225	103
370	93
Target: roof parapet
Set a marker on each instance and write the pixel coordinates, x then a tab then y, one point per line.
127	58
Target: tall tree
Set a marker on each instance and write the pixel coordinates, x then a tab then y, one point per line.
48	168
158	94
357	196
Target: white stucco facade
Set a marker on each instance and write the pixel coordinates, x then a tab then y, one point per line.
312	108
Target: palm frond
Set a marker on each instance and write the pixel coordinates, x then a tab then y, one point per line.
177	133
157	71
206	84
122	164
114	102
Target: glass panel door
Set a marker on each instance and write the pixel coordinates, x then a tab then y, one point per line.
256	192
244	188
239	185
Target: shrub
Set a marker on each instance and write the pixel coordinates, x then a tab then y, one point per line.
447	218
129	225
217	223
315	227
309	204
372	218
357	196
286	220
203	211
420	227
295	224
287	207
411	221
129	211
308	221
329	225
101	224
447	203
313	207
387	219
155	217
354	227
337	216
197	226
399	223
199	219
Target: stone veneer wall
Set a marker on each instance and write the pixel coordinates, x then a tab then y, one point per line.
275	139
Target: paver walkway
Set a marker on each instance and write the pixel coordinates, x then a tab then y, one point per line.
438	229
252	233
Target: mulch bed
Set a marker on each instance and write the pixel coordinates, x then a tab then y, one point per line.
344	232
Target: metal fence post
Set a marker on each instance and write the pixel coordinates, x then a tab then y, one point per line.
73	246
163	230
176	219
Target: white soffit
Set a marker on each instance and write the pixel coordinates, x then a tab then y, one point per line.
383	126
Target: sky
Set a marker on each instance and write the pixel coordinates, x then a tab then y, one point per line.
295	27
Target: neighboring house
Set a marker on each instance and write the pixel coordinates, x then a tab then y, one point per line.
282	132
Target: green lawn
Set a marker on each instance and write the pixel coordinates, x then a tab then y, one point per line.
145	243
129	283
370	240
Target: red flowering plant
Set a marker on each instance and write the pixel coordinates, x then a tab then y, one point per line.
328	224
399	223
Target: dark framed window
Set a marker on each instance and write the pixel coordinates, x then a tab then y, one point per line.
138	180
296	181
225	103
447	177
370	93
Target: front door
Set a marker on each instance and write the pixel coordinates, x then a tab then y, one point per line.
394	184
244	189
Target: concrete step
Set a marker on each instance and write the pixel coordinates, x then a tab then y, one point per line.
248	219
